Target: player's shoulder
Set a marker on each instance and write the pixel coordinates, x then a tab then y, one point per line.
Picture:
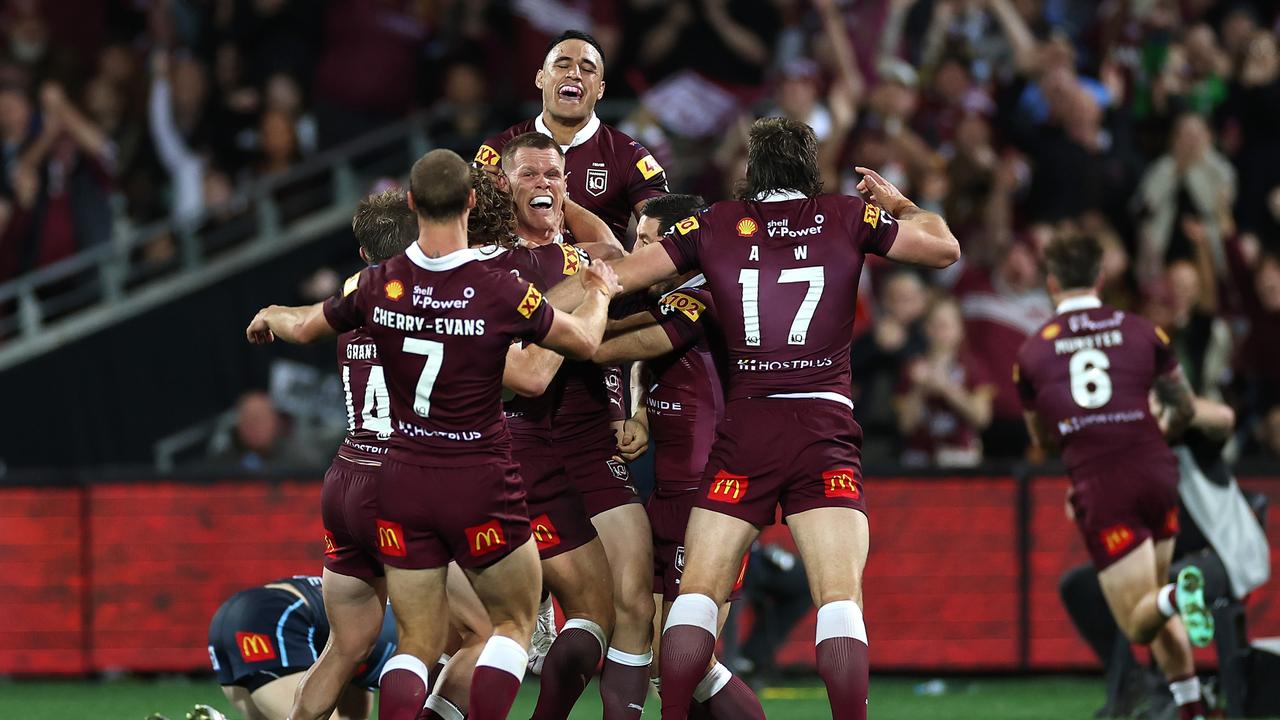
490	151
1043	337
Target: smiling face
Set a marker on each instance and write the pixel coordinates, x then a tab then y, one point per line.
571	80
537	185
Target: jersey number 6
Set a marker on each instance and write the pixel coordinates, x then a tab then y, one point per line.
1090	383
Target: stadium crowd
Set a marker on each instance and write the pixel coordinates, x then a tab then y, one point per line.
1149	124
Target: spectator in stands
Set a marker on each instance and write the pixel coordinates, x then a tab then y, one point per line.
944	398
878	356
262	442
1001	306
1184	306
1192	182
278	143
1256	280
777	591
463	117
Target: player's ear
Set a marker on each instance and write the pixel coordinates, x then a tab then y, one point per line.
601	94
409	199
364	255
540	79
471	199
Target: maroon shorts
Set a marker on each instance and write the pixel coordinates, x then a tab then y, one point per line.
668	516
1120	501
798	453
557	517
349	510
428	516
603	482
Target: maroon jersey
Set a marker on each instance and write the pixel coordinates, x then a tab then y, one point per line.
529	419
606	171
944	438
685	399
442	327
784	272
368	405
1087	373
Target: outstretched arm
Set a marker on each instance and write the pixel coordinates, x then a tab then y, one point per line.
590	232
923	236
297	325
530	370
577	335
637	337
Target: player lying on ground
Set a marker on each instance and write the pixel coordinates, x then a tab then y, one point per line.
1084	379
443	324
679	410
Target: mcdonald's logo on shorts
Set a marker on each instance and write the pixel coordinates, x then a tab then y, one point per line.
841	483
391	538
1171	522
544	532
1116	539
728	488
330	548
484	539
255	647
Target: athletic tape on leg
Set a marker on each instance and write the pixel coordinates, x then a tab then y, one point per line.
842	618
596	631
693	609
504	654
405	661
629	659
713	682
445	709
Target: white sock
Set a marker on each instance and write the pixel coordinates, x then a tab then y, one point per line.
404	661
1186	691
842	618
594	629
503	653
444	708
712	683
625	658
444	659
693	609
1164	601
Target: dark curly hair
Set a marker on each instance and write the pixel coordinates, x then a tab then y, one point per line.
493	220
782	154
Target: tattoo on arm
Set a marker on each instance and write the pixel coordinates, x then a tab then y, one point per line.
1174	392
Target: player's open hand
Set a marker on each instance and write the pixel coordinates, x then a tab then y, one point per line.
258	332
883	192
600	276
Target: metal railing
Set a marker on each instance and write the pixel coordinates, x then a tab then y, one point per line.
102	285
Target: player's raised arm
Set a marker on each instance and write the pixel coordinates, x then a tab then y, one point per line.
590	232
923	236
1178	400
577	335
297	325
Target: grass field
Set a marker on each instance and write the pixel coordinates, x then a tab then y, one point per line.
1049	698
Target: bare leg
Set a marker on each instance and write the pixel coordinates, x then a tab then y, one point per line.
355	610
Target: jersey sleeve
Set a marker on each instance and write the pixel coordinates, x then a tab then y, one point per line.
570	260
529	316
682	316
490	151
682	242
346	310
873	229
647	179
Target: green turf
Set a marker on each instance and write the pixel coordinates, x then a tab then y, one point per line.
1049	698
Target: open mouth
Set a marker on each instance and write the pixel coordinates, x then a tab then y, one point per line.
540	202
572	93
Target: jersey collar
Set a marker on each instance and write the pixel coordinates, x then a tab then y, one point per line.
583	135
455	259
780	195
1080	302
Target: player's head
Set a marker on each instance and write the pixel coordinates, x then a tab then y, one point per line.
440	187
782	154
571	77
534	166
384	225
1074	263
493	220
664	211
